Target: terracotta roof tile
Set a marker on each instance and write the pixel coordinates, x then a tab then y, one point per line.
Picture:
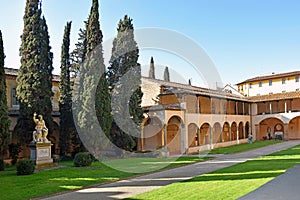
278	96
271	76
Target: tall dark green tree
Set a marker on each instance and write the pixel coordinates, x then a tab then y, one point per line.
4	119
166	75
77	56
152	69
34	79
92	90
124	60
67	127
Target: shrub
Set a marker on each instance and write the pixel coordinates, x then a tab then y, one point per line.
82	159
14	150
2	165
25	167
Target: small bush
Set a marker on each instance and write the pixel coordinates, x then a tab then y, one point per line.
82	159
14	150
25	167
2	165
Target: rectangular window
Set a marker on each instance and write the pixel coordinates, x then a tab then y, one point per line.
297	79
250	86
270	82
297	89
283	80
14	99
260	84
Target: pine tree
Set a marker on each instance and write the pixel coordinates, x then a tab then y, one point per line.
35	74
4	119
166	75
124	60
152	69
67	127
92	90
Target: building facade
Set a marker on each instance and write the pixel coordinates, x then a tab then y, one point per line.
186	119
270	84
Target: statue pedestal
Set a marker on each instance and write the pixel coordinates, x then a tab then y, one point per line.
41	154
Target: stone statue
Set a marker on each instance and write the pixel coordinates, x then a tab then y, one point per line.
41	131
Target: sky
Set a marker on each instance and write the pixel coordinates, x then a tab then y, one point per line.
243	38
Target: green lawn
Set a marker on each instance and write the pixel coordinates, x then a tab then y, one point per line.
243	147
57	180
232	182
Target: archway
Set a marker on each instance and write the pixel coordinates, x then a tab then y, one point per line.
217	133
174	127
193	135
268	127
225	132
205	134
233	131
294	129
152	134
241	131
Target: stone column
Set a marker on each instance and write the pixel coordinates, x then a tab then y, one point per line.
237	135
183	138
198	134
285	131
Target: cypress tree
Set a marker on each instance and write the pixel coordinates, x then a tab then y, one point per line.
152	70
77	56
67	127
4	119
35	74
91	71
124	59
166	75
46	77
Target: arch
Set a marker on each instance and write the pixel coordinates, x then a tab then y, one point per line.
174	127
217	133
225	132
205	130
241	130
152	133
193	135
247	129
233	131
268	127
294	129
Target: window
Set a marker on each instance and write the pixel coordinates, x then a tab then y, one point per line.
270	93
297	79
250	86
283	91
14	99
270	82
260	84
283	80
297	89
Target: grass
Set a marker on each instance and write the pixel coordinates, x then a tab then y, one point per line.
69	178
232	182
242	147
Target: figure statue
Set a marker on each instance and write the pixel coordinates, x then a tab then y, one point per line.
41	131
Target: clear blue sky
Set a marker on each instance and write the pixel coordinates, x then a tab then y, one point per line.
244	38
